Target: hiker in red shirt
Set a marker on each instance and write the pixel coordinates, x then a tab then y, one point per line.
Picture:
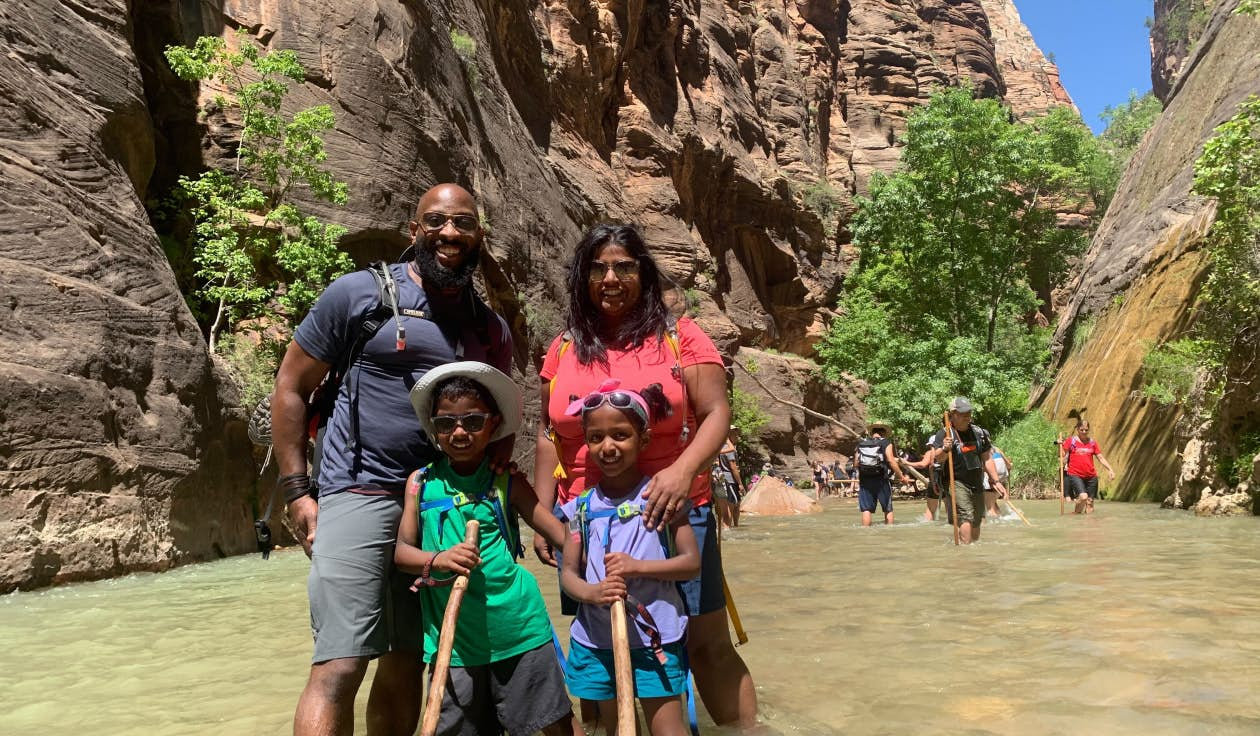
1078	452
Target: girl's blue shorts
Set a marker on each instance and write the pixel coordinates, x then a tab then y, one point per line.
591	676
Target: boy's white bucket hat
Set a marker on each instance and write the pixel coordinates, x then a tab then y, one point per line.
504	390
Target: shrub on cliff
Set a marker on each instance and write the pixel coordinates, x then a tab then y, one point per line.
257	254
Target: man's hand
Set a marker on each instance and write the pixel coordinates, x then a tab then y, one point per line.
499	454
304	515
544	551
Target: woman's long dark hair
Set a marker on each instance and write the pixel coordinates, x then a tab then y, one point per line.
649	317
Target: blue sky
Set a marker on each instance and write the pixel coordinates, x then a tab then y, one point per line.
1102	48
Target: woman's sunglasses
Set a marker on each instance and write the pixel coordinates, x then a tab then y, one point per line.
446	423
624	270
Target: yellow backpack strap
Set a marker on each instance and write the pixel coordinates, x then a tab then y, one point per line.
558	473
671	339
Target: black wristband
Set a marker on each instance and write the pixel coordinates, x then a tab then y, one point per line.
295	486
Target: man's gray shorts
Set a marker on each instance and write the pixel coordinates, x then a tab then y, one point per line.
360	605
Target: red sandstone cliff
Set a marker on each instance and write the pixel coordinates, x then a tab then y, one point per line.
734	132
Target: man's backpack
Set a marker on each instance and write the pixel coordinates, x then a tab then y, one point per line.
871	462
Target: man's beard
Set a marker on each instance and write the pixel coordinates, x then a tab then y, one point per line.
439	280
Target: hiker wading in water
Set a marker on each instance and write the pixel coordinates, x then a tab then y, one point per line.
618	325
361	608
973	461
1077	455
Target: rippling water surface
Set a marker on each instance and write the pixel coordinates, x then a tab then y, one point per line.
1131	621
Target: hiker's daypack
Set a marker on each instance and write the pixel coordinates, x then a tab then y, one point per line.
319	406
871	460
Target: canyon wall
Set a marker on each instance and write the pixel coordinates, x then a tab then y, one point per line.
735	133
1141	275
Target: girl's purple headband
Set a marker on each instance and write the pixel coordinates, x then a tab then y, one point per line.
609	392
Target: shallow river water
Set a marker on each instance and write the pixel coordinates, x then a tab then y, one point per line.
1130	621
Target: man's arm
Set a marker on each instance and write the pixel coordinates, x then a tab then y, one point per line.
299	376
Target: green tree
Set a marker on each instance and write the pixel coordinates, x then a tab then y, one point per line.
1126	123
952	245
251	242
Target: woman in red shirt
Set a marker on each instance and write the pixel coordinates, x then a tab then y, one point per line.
619	327
1082	478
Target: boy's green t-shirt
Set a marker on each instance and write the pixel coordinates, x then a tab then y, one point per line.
503	613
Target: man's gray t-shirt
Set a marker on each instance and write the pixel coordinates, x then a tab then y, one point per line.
390	443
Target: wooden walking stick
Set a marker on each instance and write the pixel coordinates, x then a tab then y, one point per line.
446	642
1058	441
621	667
953	500
741	636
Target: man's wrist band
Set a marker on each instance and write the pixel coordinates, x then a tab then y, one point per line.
295	486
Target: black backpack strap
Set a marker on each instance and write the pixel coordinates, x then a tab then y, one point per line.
386	307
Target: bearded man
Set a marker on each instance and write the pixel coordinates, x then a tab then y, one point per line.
361	608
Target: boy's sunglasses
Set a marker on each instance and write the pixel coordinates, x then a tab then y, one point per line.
474	422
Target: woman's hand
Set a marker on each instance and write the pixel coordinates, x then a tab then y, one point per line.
666	495
544	551
460	559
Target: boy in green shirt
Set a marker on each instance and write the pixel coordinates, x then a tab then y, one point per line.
505	675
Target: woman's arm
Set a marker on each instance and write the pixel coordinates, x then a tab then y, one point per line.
668	489
1111	473
684	565
534	513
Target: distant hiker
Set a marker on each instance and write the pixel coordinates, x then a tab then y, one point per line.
820	477
875	460
611	554
1078	452
1003	465
371	442
728	488
933	465
972	455
505	675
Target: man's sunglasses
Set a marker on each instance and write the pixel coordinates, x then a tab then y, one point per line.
625	270
446	423
434	221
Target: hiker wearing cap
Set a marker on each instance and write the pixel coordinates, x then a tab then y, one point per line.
972	457
505	675
875	459
617	324
1077	457
425	315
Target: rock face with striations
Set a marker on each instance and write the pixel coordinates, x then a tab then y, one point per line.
735	133
115	450
1141	275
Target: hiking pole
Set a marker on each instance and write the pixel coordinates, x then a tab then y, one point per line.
1058	441
741	636
621	666
953	500
446	642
